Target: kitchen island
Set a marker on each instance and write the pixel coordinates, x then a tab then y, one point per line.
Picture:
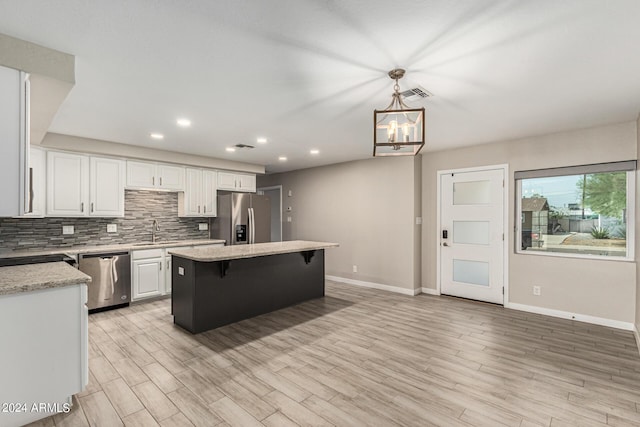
213	287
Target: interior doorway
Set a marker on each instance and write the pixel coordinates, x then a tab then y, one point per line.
275	195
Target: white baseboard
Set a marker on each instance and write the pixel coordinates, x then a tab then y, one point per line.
429	291
627	326
374	285
637	335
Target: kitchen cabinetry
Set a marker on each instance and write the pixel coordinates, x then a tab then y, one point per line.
152	271
106	187
148	273
67	184
14	142
155	176
199	196
38	177
44	357
84	186
236	182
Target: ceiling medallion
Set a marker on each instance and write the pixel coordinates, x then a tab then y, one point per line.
398	130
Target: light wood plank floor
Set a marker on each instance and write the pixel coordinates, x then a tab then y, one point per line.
358	357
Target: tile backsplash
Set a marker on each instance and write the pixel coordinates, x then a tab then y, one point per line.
140	209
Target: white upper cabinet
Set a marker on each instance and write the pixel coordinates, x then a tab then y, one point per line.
107	187
67	184
84	186
141	175
199	197
155	176
14	142
38	179
210	192
170	177
236	182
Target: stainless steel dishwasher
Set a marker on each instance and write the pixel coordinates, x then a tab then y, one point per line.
110	279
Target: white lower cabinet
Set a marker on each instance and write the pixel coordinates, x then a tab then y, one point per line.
44	357
148	273
152	270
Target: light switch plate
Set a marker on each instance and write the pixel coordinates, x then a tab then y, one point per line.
112	228
288	219
290	193
67	229
418	220
180	271
203	226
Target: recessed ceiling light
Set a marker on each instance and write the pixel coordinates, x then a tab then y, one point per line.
185	123
231	149
282	158
314	151
156	135
261	140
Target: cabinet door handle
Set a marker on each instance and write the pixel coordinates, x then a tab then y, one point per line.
91	207
160	266
160	181
81	206
153	180
205	208
198	208
168	264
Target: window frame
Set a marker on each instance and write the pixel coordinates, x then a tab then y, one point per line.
575	170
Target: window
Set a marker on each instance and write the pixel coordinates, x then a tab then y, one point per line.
578	211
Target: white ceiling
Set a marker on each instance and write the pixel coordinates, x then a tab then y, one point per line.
309	73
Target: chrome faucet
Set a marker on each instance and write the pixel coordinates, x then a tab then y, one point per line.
155	227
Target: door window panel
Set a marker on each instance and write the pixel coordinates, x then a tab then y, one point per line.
472	193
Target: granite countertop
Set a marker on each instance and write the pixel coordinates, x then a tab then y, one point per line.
33	277
249	251
109	248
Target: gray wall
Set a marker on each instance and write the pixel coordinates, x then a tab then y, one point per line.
600	288
366	206
141	207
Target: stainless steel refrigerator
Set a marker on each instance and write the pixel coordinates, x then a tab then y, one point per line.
243	218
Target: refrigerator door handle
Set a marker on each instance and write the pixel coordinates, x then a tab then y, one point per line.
251	222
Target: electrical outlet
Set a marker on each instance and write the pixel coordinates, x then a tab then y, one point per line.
67	229
355	268
112	228
536	291
203	226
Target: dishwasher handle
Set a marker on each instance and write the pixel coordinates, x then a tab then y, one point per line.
104	255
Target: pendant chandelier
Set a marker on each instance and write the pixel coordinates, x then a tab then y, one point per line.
398	130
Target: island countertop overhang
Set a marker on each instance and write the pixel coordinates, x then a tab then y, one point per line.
224	253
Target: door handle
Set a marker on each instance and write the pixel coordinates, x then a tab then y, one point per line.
445	244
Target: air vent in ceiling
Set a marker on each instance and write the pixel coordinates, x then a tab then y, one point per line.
415	94
244	146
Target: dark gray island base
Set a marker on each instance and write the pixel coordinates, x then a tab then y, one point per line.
209	291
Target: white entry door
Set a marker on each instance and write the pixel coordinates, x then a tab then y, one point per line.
472	241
